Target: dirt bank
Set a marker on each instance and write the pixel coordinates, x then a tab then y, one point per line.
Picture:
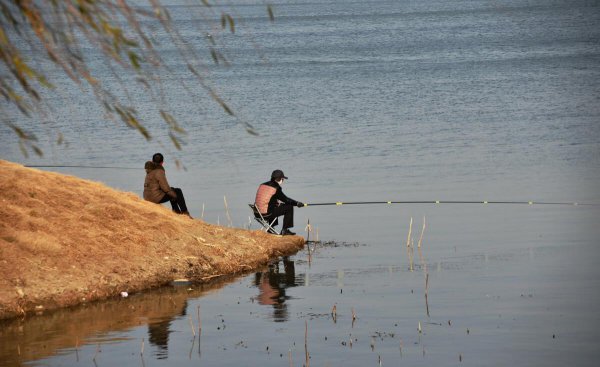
64	241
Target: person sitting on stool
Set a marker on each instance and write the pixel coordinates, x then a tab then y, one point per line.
271	202
157	188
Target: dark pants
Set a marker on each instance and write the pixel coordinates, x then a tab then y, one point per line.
177	204
287	210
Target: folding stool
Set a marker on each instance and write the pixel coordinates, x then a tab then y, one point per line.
263	220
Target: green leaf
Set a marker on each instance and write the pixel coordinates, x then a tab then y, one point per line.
173	125
250	130
231	23
135	60
175	141
211	39
37	150
270	12
23	150
215	58
43	81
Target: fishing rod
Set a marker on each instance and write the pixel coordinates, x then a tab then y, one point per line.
447	202
76	166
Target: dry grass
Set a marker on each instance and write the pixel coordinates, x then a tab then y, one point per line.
64	240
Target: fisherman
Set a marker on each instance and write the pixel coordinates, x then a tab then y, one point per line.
157	188
272	203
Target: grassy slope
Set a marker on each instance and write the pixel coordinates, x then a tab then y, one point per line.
64	241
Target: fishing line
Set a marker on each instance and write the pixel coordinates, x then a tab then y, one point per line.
485	202
74	166
339	203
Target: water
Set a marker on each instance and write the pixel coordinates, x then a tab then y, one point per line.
375	100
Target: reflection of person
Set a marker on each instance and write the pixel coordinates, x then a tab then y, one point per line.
159	336
157	188
158	332
272	285
272	202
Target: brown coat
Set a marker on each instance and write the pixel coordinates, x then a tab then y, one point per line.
156	184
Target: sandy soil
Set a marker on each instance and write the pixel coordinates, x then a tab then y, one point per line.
65	241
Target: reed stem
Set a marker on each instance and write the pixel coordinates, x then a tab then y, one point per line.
409	233
426	293
408	245
306	343
422	232
334	313
227	211
192	326
199	321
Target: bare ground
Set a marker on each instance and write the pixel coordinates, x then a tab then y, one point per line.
66	241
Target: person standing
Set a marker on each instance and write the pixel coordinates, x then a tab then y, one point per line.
157	188
271	202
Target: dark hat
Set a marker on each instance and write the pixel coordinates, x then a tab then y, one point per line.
157	158
278	174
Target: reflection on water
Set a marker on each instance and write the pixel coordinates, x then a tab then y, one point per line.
159	330
41	336
272	285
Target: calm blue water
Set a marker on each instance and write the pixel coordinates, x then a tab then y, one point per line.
384	100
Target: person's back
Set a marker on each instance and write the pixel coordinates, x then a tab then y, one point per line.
272	202
266	191
157	188
155	184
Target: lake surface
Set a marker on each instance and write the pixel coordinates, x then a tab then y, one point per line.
362	101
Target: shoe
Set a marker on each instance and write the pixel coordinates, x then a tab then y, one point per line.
287	232
187	213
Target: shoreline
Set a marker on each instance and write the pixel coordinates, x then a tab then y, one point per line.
65	241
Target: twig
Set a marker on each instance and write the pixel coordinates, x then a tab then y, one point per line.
192	326
192	348
426	293
227	211
142	349
408	245
306	343
401	344
199	322
421	258
334	313
211	276
202	216
422	231
97	350
409	233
